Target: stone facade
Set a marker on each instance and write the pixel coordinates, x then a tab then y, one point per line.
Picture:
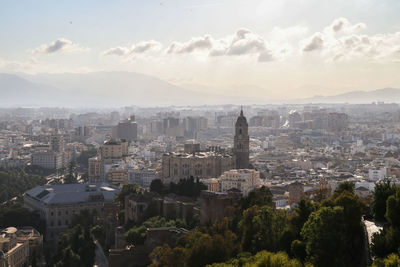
215	206
199	165
241	143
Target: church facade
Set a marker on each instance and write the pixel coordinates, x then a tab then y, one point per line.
208	164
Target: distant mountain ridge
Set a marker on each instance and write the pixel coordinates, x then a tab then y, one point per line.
388	95
111	89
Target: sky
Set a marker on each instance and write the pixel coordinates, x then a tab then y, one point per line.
278	48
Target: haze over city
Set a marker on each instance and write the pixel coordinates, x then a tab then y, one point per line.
192	133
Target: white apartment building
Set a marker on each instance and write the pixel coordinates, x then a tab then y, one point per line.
377	174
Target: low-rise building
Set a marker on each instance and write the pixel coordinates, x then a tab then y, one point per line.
16	252
245	180
57	204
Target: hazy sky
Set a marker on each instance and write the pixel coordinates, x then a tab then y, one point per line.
274	47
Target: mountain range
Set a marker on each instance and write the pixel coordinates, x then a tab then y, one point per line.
107	89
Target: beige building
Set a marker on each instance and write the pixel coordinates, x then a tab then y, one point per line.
113	150
245	180
117	177
212	184
209	164
16	252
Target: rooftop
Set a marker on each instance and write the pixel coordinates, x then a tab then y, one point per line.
73	193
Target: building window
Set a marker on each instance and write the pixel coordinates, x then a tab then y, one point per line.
59	213
198	169
52	213
185	169
59	222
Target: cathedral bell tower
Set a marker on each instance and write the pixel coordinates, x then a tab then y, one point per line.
241	142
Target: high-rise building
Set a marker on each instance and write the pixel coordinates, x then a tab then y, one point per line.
241	142
126	130
57	143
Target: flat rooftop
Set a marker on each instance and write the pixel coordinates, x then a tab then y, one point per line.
73	193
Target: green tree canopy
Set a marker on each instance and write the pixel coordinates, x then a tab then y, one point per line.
381	193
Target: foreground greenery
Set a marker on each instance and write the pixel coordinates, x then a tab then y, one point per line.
326	233
136	235
387	242
185	187
16	182
14	214
76	246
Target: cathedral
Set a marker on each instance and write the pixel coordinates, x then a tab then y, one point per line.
241	143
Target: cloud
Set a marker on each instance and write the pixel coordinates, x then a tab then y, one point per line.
315	42
139	48
23	66
194	44
59	45
343	25
117	51
342	41
242	43
245	42
266	56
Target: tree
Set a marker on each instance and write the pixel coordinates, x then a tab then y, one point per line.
298	249
16	215
393	209
14	183
303	210
393	260
260	197
381	193
203	249
69	258
136	235
388	240
345	186
157	186
165	256
326	239
262	228
70	178
75	248
83	158
126	190
262	258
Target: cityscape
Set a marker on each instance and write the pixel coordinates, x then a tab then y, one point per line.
191	133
